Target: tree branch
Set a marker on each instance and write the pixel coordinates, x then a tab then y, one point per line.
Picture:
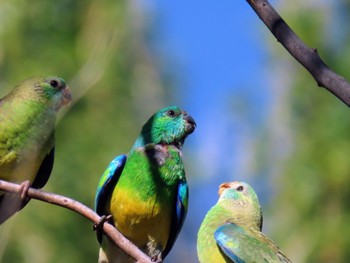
306	56
122	242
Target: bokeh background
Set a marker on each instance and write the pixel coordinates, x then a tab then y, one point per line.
260	117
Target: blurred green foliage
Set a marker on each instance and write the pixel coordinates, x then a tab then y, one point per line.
311	209
99	47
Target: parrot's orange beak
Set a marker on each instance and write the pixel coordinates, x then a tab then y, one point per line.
225	186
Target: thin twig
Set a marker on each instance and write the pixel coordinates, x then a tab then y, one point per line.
306	56
122	242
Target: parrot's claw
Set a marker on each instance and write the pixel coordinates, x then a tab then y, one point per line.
157	259
24	190
99	226
100	222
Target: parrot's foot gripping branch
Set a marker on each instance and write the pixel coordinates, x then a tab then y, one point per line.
25	185
99	226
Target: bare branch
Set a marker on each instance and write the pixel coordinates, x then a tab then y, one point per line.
122	242
306	56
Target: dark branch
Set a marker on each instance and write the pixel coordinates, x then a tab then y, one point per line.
306	56
126	245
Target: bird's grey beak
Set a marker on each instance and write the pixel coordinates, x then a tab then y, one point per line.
66	96
190	123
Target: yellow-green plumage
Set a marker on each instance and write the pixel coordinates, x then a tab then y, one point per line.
231	230
27	123
148	214
148	200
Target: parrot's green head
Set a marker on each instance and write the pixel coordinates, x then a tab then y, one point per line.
241	198
169	126
49	91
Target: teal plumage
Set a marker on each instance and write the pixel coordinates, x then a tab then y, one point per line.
146	191
231	230
27	124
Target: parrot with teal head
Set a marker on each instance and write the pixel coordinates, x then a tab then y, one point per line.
231	230
27	137
146	191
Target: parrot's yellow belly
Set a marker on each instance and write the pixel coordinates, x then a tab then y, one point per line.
145	222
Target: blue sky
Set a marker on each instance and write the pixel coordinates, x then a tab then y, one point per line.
216	50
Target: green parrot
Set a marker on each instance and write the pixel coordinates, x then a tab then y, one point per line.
27	127
146	191
231	230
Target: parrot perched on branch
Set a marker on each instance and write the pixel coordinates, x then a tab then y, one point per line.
231	230
146	191
27	137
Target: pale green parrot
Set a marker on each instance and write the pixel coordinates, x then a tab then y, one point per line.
27	137
231	230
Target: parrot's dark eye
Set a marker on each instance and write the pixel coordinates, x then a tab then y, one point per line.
171	113
240	188
54	83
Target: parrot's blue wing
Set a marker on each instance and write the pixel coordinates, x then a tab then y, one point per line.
107	183
179	216
227	237
242	246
